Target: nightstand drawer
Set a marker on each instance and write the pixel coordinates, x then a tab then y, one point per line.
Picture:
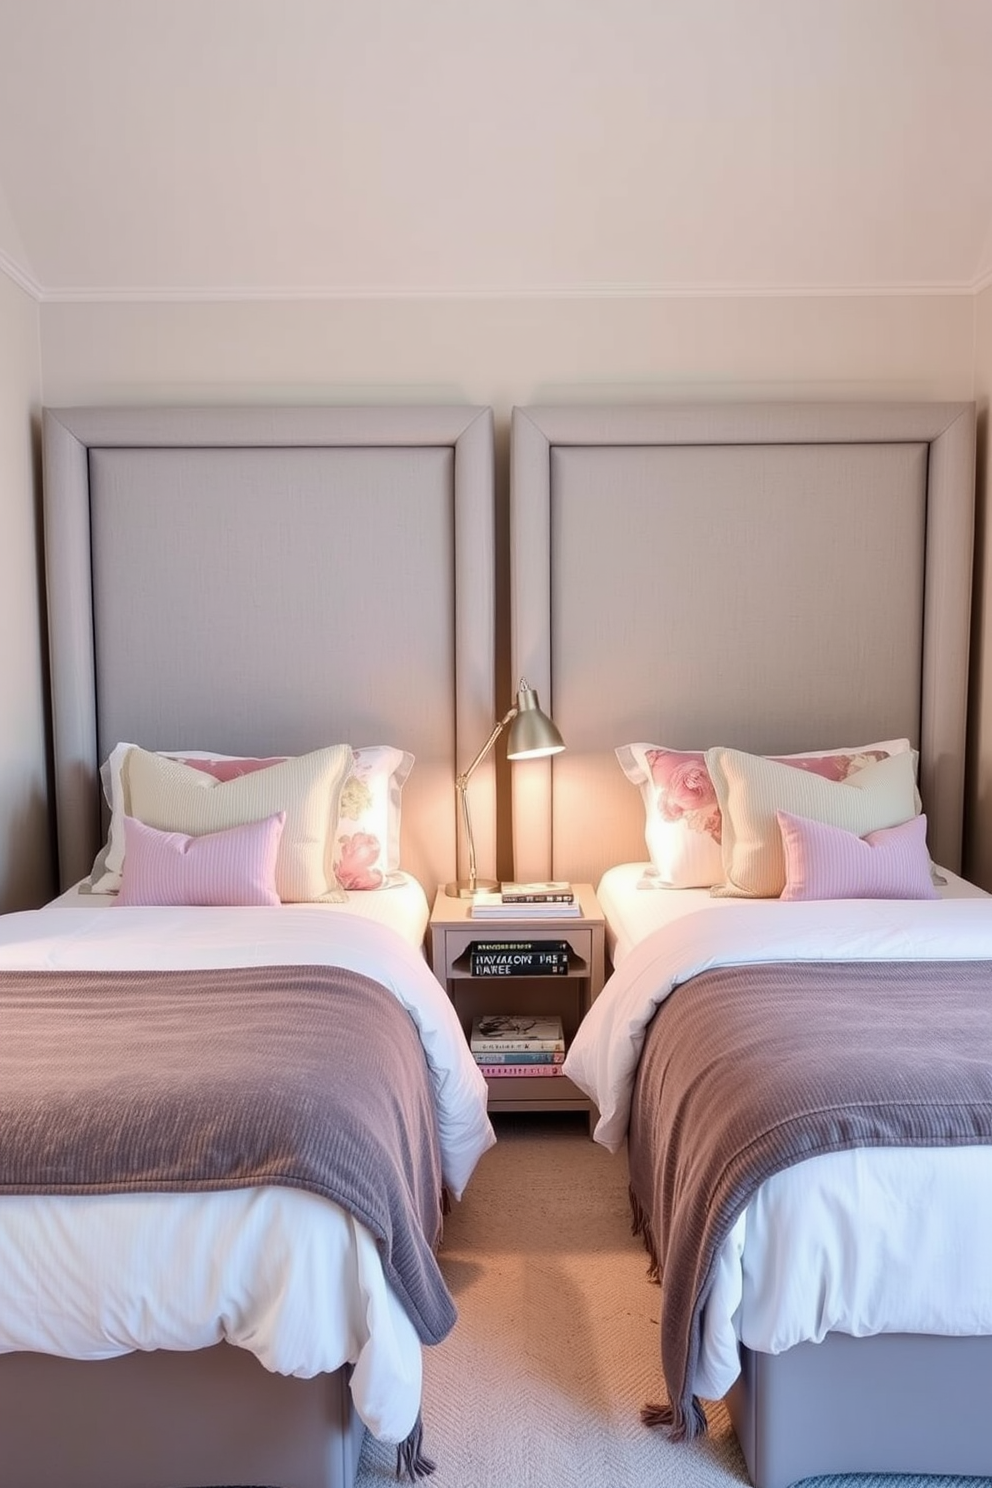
536	1095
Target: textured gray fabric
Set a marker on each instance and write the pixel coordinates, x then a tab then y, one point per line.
747	1071
161	1417
774	577
877	1404
181	1081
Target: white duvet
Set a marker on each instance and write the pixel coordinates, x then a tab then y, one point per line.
281	1272
862	1242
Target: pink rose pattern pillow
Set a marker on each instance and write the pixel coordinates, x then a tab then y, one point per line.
682	818
684	791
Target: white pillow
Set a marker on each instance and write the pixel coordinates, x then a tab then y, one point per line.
752	790
174	797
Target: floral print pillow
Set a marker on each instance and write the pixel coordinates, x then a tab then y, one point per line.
682	826
367	840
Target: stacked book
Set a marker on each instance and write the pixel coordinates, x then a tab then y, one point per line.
518	958
507	1045
554	899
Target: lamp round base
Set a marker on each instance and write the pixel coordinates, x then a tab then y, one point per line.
461	888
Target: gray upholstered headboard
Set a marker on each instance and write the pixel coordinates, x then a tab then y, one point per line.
771	577
269	581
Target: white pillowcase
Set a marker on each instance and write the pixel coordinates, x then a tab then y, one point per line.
752	790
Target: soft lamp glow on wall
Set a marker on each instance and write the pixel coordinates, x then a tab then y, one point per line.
531	735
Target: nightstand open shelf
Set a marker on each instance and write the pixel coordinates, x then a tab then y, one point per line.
577	966
567	995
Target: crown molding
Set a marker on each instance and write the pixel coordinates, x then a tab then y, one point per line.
20	276
225	294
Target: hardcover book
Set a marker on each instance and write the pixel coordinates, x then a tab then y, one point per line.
507	1032
486	906
517	962
551	891
518	1071
520	1056
544	944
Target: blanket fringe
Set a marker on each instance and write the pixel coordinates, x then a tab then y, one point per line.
681	1425
640	1224
411	1462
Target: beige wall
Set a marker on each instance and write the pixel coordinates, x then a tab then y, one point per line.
504	351
25	854
978	822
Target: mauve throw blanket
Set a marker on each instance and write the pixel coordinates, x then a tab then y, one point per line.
748	1070
180	1081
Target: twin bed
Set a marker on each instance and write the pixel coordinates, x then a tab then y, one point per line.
264	583
697	588
307	585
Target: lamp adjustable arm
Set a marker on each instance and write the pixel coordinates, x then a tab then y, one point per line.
461	785
532	734
461	781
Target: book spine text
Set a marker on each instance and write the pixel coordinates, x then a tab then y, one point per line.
518	1071
494	947
552	963
510	1046
538	898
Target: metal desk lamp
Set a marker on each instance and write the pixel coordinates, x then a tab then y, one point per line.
532	734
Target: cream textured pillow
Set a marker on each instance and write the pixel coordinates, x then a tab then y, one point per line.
174	797
751	790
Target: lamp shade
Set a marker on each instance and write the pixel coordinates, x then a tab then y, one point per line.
531	732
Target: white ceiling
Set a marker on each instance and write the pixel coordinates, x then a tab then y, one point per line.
286	147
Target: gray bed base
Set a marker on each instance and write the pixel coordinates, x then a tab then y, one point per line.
163	1419
893	1403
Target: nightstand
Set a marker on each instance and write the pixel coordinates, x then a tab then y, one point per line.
452	931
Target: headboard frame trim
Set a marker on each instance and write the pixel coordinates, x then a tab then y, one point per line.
465	538
946	430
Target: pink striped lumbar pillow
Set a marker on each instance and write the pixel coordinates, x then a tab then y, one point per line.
826	862
233	866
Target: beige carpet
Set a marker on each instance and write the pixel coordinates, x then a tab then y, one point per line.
556	1345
